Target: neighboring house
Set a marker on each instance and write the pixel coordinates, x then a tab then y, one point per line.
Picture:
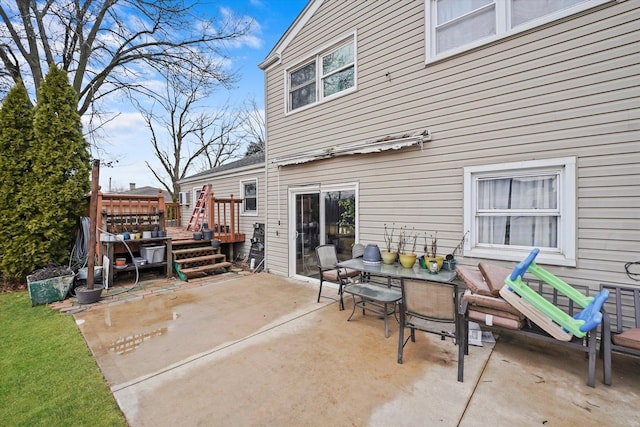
242	179
148	191
518	121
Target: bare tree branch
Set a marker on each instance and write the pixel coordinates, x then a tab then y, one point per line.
186	140
108	46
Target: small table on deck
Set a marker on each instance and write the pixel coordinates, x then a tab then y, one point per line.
380	296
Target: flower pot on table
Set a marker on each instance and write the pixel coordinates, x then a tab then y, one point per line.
408	260
388	257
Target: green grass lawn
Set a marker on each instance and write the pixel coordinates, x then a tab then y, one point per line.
48	376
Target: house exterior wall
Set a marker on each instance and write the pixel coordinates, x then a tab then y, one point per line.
566	89
224	185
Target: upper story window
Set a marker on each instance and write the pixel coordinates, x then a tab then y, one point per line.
511	208
453	26
250	197
328	74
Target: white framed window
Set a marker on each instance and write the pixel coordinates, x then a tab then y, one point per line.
196	194
330	73
453	26
511	208
249	191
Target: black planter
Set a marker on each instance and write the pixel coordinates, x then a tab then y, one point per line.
88	296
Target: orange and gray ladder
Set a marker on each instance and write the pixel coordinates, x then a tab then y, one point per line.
199	209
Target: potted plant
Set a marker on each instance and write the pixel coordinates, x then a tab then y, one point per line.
431	251
407	259
388	257
450	259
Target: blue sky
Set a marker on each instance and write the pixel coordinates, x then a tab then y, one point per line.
126	138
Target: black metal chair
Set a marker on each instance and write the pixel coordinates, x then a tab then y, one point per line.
428	306
620	324
327	256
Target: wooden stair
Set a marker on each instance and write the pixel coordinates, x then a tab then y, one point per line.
197	259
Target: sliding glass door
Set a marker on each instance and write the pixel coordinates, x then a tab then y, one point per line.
326	215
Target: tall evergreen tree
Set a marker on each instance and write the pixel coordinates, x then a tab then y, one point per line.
61	168
16	139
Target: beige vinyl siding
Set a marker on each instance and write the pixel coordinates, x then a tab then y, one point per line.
570	88
224	185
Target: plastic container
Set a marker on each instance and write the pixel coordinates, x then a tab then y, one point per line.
153	254
138	260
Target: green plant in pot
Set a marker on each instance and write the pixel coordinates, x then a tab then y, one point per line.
388	257
407	258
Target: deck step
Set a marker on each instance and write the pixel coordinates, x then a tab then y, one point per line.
205	258
188	251
204	268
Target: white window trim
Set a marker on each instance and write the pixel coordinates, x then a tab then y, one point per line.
316	56
242	211
196	191
503	8
566	255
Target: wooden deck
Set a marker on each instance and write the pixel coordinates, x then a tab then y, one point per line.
181	235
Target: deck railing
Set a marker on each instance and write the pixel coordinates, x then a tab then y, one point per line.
128	212
224	217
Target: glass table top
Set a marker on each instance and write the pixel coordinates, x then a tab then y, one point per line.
397	271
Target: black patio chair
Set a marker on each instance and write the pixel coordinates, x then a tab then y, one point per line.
428	307
327	256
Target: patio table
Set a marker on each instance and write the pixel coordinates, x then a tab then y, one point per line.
377	298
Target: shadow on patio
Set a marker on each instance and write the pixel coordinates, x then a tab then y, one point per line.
258	350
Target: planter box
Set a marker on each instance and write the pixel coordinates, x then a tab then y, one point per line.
49	290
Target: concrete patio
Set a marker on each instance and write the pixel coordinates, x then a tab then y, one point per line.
258	350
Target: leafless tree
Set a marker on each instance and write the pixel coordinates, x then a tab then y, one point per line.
253	127
110	45
186	139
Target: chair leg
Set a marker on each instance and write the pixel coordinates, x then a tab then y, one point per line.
591	342
605	348
320	290
462	339
401	336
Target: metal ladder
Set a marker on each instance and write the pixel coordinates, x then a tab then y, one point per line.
199	209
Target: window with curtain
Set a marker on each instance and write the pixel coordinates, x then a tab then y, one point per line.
328	74
518	211
512	208
453	26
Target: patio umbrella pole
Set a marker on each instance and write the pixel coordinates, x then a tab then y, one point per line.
93	222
